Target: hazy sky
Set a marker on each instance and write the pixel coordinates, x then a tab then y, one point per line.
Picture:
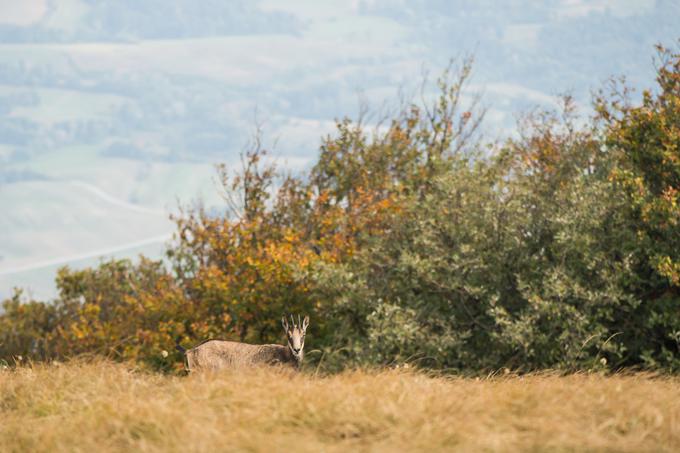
111	112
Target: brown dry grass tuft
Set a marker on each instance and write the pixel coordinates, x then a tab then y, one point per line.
110	407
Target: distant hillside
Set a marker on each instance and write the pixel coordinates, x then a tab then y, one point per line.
140	98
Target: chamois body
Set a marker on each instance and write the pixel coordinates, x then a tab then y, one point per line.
219	354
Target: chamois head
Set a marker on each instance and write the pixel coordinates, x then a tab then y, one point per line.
295	334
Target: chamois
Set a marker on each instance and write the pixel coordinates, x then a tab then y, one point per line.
220	354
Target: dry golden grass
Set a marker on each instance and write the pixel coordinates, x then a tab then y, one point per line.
110	407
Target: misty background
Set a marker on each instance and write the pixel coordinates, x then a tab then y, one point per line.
112	112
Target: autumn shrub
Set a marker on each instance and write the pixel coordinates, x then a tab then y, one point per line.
415	241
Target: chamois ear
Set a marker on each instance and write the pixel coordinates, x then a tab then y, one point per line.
284	323
305	323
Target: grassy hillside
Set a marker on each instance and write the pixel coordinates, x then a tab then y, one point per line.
108	407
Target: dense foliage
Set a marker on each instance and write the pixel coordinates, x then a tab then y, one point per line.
415	242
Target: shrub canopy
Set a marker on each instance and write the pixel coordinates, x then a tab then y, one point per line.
416	242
